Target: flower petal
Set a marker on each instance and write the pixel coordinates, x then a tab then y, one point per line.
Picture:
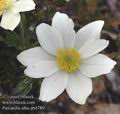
79	87
93	48
89	33
65	26
23	5
49	38
41	69
53	86
97	65
9	20
33	55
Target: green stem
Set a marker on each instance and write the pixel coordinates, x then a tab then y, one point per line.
22	34
22	31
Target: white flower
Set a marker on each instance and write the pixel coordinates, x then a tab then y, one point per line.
9	9
66	59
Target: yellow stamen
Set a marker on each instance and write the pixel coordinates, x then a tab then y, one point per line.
4	4
68	59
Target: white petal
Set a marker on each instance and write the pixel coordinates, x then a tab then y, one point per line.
93	48
33	55
79	87
53	86
97	65
65	26
9	20
41	69
89	33
23	5
49	38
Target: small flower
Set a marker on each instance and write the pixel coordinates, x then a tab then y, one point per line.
68	60
10	9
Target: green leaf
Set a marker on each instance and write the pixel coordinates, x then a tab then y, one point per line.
24	86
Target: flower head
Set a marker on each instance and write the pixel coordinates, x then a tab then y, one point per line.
68	60
10	9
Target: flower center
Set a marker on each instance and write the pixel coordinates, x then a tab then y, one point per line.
68	59
4	4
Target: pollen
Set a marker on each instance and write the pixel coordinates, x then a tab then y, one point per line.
68	59
4	4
